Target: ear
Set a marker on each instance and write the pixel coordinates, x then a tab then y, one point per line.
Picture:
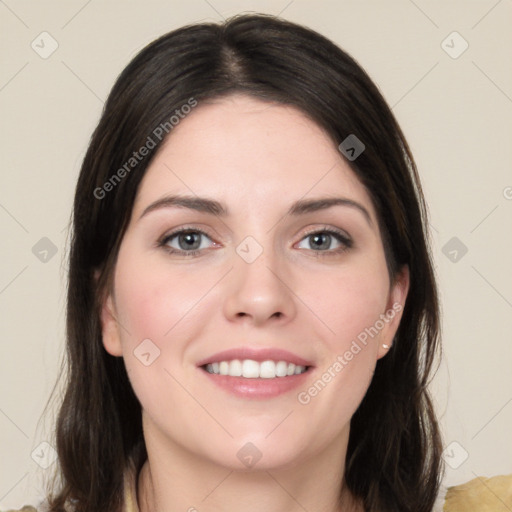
110	328
394	310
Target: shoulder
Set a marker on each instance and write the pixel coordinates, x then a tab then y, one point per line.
482	494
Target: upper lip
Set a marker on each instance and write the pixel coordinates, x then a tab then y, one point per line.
260	355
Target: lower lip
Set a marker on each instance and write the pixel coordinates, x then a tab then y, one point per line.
257	388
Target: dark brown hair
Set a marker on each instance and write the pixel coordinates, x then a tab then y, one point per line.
393	459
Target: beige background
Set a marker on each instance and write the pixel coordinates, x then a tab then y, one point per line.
456	114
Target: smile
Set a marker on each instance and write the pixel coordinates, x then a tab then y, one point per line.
256	373
250	369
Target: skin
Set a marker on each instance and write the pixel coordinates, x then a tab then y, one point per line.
257	159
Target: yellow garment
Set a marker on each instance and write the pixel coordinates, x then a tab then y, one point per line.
130	490
480	495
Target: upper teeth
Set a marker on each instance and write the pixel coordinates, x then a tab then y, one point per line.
253	369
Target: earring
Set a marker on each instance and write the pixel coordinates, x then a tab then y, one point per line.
385	346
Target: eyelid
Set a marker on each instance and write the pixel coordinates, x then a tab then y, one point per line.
183	229
327	227
343	238
330	230
164	240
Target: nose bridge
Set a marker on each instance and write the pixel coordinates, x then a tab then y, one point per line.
257	283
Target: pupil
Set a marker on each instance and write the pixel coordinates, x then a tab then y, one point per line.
321	241
189	241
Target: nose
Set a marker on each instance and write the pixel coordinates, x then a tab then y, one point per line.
259	292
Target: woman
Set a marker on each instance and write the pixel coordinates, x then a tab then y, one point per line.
252	310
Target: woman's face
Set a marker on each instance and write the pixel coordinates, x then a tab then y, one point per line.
280	261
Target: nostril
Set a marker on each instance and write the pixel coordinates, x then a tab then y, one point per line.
242	314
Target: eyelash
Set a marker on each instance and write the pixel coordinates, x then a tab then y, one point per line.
341	237
167	238
345	241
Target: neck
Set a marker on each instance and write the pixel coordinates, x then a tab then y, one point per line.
174	480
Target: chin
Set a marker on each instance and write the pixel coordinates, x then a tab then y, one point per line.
255	453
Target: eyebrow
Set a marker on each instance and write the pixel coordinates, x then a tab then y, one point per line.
302	207
200	204
205	205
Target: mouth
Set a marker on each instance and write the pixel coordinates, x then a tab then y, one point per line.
256	374
251	369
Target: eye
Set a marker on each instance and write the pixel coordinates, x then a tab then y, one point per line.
188	242
329	241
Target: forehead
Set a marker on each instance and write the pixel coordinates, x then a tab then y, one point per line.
246	151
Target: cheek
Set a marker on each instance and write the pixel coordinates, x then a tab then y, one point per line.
341	381
154	302
167	305
349	306
348	302
157	311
